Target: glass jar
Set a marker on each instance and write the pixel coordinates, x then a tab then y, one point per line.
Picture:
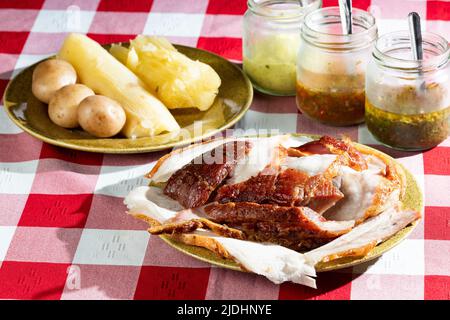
408	101
270	43
331	66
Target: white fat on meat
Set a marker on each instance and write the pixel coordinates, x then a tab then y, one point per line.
264	151
328	225
153	203
311	165
275	262
374	230
180	158
359	189
375	164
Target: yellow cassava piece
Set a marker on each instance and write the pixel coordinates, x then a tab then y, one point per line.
100	71
175	79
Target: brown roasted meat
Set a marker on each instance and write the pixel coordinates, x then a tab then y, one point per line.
289	187
193	184
298	228
329	145
281	205
194	224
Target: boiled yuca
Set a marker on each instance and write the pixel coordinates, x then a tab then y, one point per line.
100	71
172	77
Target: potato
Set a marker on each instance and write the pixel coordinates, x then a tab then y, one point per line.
63	106
50	76
100	71
101	116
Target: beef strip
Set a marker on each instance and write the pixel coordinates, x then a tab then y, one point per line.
193	184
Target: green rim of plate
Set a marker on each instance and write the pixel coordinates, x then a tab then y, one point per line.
412	199
125	146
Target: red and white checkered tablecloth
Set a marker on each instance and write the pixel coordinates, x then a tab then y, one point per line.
64	233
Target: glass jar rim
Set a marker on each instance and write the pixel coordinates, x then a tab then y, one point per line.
361	18
429	40
295	13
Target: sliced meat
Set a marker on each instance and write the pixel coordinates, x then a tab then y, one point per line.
175	160
298	228
284	188
311	164
365	236
308	149
366	194
321	194
194	224
345	147
277	263
329	145
265	155
256	189
193	184
290	187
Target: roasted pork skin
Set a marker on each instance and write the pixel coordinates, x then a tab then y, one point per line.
193	184
298	228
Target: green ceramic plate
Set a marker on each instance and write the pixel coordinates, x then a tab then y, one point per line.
412	199
234	98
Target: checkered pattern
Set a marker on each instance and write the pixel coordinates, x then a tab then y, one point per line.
63	230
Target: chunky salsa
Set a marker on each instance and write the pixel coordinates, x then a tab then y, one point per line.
332	99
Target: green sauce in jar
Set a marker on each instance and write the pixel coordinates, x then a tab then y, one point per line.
408	101
408	131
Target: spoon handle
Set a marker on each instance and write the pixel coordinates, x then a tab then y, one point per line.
345	10
415	35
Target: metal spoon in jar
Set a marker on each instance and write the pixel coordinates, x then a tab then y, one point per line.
416	42
345	10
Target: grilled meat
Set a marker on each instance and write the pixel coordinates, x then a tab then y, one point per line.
193	184
294	227
330	145
289	187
